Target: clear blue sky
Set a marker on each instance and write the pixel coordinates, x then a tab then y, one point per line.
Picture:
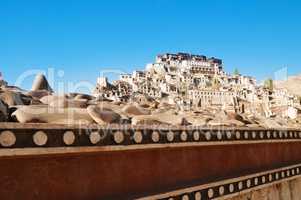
84	37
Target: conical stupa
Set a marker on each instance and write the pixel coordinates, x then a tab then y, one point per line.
41	83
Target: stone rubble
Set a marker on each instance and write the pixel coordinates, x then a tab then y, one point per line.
56	115
135	109
103	115
69	103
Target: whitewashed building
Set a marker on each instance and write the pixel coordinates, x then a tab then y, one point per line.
195	80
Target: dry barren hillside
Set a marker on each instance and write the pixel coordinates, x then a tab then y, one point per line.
293	84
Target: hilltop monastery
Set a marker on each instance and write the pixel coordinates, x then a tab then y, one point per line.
199	82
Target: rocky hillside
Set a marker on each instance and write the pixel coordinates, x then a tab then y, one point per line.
293	84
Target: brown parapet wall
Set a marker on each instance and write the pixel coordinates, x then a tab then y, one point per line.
41	161
253	187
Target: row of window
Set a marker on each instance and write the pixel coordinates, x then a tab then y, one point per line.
202	69
211	93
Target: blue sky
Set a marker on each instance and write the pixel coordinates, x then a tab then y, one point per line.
83	38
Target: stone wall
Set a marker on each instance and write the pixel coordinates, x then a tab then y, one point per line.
289	190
